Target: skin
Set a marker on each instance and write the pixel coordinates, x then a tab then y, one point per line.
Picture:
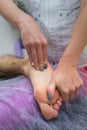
65	78
33	40
12	66
40	81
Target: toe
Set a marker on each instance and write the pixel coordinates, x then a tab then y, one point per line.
56	106
55	114
46	111
60	99
59	103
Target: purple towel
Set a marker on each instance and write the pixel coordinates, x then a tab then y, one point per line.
20	111
18	48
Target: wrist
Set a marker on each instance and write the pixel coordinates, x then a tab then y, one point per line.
26	68
67	63
22	22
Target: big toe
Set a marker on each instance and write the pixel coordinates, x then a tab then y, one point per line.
58	104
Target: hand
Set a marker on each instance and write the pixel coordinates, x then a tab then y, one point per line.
67	81
34	42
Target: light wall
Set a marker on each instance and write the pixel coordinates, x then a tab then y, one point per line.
8	37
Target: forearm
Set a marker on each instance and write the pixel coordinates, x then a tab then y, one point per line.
78	40
11	12
12	66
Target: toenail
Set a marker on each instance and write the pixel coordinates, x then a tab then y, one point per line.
49	96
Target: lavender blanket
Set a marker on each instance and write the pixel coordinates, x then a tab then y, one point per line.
19	110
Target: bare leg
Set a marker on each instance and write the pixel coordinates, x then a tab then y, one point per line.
13	66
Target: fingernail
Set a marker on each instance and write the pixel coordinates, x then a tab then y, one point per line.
49	96
45	66
41	69
36	67
32	64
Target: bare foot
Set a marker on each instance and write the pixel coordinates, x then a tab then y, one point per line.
40	81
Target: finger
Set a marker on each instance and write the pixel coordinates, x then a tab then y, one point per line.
51	90
56	107
55	97
31	51
72	93
64	93
40	57
45	53
65	98
76	92
34	56
29	55
59	103
60	99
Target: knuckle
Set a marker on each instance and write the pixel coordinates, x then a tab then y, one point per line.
26	43
38	42
45	43
29	43
66	91
73	89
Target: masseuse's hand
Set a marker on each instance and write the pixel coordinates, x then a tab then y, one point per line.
67	81
34	42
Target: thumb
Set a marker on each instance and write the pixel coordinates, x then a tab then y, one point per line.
51	89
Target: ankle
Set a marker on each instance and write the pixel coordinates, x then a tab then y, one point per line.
26	66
